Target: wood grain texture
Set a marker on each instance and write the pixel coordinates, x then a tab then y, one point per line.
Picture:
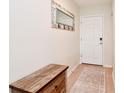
36	81
109	86
57	85
16	91
109	81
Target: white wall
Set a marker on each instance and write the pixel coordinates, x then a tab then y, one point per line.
33	44
105	10
113	11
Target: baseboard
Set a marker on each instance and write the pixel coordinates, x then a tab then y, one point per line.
71	70
108	66
74	67
113	77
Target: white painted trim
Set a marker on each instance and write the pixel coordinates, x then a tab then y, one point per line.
108	66
81	61
74	67
113	77
97	15
71	70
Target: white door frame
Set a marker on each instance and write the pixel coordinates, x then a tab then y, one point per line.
98	15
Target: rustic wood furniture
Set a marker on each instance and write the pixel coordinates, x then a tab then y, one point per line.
50	79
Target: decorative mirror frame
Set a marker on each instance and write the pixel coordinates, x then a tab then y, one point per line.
56	25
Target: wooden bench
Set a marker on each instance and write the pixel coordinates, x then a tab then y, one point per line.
50	79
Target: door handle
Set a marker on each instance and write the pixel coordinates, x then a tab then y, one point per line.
100	39
101	43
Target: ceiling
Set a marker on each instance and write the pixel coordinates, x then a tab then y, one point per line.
92	2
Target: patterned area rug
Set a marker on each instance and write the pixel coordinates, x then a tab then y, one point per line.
91	80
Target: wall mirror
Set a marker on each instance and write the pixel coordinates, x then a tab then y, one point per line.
61	18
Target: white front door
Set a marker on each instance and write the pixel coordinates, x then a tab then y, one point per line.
91	41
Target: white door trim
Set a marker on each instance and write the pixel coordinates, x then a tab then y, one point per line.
97	15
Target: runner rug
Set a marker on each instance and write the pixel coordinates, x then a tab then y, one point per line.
91	80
